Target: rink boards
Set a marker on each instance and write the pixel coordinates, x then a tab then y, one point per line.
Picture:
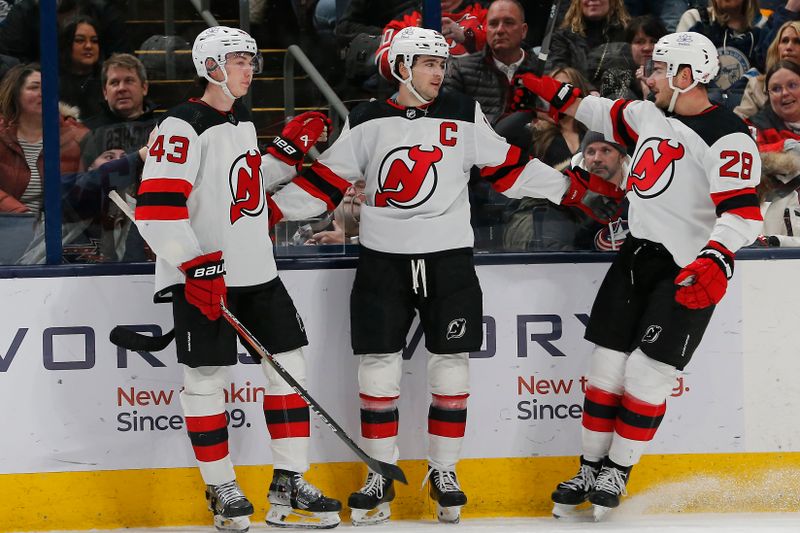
94	436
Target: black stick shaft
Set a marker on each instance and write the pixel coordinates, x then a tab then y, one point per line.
544	51
387	470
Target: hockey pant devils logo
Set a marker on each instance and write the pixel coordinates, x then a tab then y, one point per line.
656	158
402	185
246	186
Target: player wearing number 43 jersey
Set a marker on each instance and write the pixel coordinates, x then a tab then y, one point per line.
692	200
202	207
415	152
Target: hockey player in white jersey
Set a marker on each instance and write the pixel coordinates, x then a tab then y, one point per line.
693	203
415	151
202	201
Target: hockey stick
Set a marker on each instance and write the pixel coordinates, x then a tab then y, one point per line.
122	336
386	470
544	51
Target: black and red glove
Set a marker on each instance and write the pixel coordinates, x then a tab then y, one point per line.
299	135
704	281
593	195
205	284
558	94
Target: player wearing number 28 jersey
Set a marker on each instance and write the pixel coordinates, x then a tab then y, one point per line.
693	203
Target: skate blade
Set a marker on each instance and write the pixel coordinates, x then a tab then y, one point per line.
240	524
286	517
572	513
448	515
369	517
599	512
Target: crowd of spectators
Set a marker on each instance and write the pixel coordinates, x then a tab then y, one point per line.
600	46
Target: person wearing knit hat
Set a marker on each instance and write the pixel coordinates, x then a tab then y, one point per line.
602	157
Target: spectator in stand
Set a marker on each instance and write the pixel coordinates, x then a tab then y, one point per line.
486	75
21	154
463	25
548	226
369	17
642	33
779	121
591	38
786	45
537	14
19	34
346	218
555	143
668	12
79	50
128	115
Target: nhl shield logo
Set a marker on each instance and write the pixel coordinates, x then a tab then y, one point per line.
456	328
411	112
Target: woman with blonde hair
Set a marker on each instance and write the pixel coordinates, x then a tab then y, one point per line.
591	36
786	45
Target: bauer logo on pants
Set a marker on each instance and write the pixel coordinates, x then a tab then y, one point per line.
456	328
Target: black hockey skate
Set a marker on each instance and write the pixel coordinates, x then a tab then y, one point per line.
294	502
610	485
370	505
573	492
230	507
447	494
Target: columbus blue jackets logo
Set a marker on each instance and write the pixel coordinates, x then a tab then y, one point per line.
408	176
456	328
247	197
654	166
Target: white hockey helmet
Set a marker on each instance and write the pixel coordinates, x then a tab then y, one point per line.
212	46
410	43
688	48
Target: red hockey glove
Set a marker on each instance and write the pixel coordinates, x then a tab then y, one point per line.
593	195
299	135
205	286
704	281
558	94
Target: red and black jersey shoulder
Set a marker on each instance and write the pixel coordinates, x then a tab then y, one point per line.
714	124
202	116
449	105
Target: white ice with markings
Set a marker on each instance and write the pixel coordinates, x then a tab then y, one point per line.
623	522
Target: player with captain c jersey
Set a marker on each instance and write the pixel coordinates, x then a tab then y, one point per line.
202	207
691	191
415	151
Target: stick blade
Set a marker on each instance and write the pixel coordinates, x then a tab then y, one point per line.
388	470
134	341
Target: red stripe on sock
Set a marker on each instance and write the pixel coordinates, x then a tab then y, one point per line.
633	433
280	403
602	397
289	429
639	407
603	425
446	429
204	424
211	453
379	431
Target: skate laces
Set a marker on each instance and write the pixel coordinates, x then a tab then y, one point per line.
611	480
445	480
373	486
584	480
306	488
228	492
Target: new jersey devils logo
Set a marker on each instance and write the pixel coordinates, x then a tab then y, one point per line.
654	167
245	183
407	177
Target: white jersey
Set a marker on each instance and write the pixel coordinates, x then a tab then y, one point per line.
203	190
416	163
692	178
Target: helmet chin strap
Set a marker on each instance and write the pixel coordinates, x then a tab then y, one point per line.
676	91
410	86
222	84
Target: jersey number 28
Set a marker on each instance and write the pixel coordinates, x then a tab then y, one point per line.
729	169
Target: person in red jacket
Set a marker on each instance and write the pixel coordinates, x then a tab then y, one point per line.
463	25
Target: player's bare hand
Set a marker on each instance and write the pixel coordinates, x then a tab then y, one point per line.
334	236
